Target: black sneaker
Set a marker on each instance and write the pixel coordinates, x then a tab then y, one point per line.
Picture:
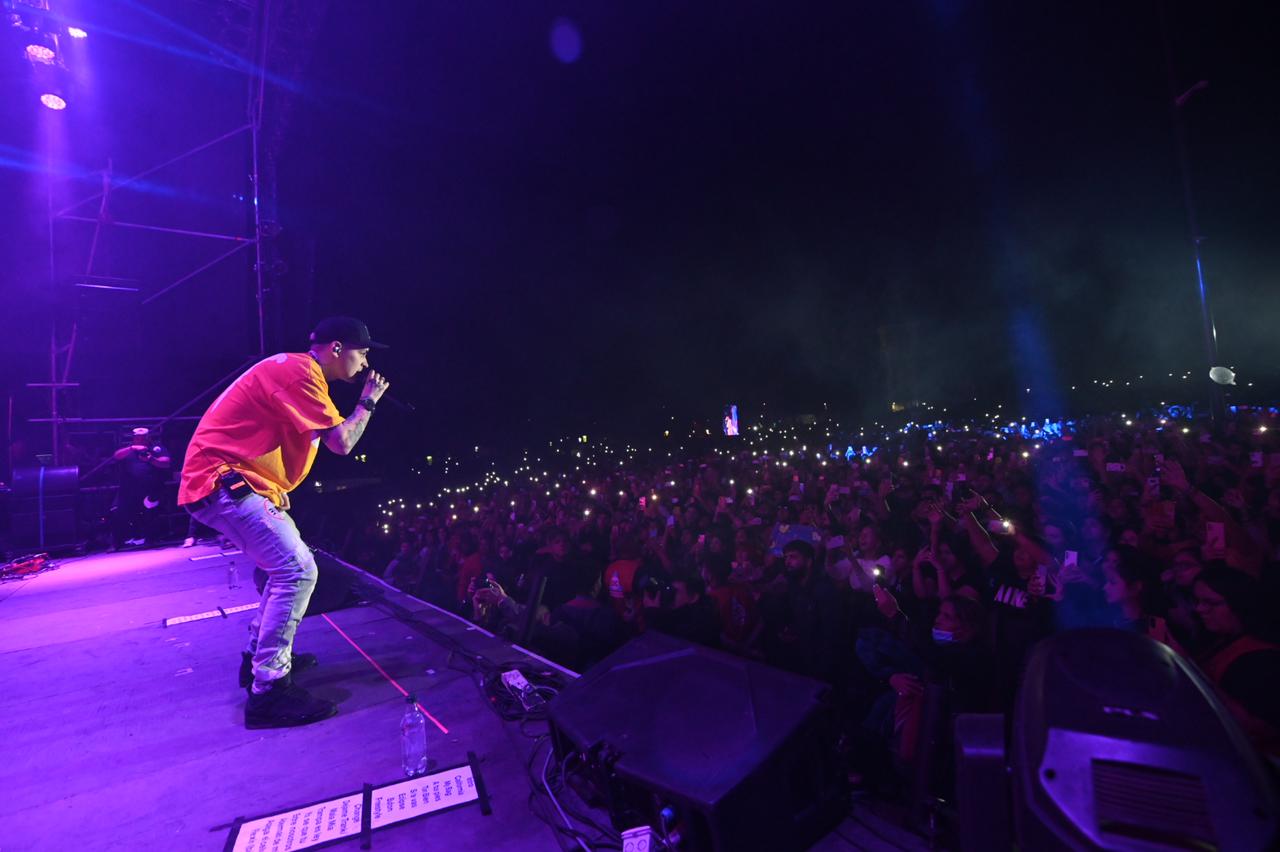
300	663
285	705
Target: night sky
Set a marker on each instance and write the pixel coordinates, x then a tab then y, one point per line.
733	201
748	202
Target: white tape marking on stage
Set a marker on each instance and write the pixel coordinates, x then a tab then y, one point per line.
213	613
215	555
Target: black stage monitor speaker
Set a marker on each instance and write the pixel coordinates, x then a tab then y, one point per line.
727	753
1118	743
982	784
43	508
335	584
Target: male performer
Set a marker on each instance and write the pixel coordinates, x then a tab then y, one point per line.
252	447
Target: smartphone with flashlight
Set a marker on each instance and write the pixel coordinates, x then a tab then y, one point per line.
1048	582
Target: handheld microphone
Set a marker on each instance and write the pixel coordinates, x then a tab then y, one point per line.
397	404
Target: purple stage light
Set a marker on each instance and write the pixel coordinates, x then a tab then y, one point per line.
40	53
76	32
566	41
53	101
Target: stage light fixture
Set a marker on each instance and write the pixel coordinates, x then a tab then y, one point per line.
76	32
40	53
52	101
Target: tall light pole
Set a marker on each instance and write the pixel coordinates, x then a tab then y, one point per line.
1178	102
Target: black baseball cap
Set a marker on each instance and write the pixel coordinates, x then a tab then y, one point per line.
348	330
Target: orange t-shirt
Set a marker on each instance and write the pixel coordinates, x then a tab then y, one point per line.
264	426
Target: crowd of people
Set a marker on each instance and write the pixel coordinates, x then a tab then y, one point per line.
922	570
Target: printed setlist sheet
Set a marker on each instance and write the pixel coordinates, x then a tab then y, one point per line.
348	816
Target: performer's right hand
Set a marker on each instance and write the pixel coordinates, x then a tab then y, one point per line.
374	385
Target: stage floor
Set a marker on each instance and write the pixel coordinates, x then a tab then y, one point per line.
120	733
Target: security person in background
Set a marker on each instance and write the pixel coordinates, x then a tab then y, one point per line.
144	467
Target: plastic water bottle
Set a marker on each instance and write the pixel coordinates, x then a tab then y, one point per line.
233	575
413	739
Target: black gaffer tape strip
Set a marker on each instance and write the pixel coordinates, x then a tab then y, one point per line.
481	791
366	819
233	834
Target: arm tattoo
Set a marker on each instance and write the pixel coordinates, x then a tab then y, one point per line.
355	425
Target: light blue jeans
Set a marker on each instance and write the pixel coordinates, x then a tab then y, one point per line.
268	536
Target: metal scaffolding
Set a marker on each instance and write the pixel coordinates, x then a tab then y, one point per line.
62	345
